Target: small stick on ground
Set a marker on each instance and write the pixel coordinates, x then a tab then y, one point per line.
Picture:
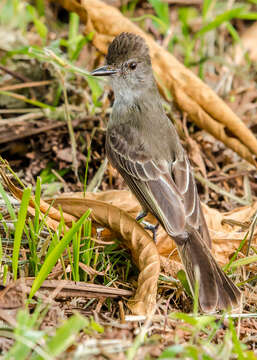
69	123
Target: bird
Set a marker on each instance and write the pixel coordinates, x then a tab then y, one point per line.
143	145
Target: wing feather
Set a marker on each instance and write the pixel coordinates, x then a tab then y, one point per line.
164	187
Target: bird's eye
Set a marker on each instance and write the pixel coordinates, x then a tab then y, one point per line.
133	65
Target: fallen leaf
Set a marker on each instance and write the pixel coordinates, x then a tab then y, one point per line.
132	234
192	95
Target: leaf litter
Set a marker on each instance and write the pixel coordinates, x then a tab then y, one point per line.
37	142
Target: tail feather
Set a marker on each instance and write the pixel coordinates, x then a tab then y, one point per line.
216	290
231	291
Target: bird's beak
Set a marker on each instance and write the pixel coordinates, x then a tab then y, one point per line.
104	71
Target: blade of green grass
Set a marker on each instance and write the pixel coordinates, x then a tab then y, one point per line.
244	261
152	17
248	16
162	10
41	28
65	335
233	32
37	204
27	334
5	272
1	251
181	275
7	203
220	19
76	249
86	171
55	254
206	7
73	34
237	345
226	267
19	229
29	101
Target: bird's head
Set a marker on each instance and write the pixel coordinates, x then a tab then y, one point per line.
128	64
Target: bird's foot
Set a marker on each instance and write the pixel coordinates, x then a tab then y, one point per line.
147	225
151	227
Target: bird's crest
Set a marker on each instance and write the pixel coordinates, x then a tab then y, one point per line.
127	46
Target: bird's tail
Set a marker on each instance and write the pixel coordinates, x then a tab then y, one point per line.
216	290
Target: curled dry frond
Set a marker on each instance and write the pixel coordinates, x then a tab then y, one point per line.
134	237
225	230
191	94
132	234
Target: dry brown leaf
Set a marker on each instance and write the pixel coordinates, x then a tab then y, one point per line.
193	96
114	210
225	238
133	235
54	215
208	123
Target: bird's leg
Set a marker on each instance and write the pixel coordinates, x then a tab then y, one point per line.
141	215
147	225
151	227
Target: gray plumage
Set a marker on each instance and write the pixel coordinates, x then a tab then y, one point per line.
143	145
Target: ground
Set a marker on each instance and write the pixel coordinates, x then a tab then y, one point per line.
52	121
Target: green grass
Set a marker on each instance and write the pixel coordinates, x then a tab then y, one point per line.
27	235
34	343
31	341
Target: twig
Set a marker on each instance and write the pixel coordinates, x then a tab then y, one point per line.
6	165
69	123
122	314
18	77
59	177
97	179
26	85
229	177
46	128
14	74
247	189
252	227
18	111
220	190
24	117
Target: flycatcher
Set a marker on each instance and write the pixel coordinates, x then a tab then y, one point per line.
143	145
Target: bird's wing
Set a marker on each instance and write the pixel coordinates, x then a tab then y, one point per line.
165	188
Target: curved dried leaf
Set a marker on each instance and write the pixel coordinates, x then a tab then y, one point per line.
225	238
133	235
53	213
206	122
115	209
191	94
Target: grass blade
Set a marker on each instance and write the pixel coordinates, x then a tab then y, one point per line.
55	254
19	230
220	19
66	334
244	261
7	203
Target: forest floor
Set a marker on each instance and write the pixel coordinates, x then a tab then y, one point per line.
52	134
